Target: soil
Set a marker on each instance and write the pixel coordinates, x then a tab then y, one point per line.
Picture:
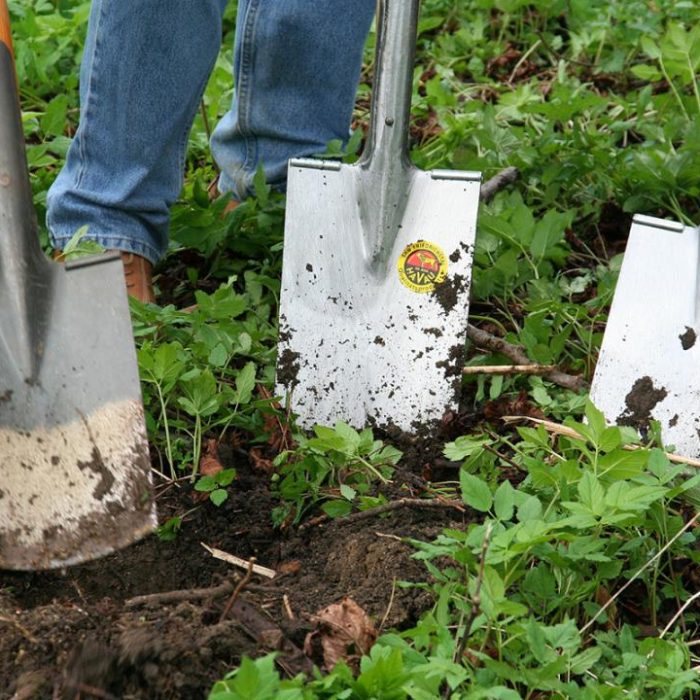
640	402
83	633
688	338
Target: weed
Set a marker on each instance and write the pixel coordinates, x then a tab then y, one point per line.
337	461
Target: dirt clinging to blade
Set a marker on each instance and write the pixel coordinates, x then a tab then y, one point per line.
688	338
640	402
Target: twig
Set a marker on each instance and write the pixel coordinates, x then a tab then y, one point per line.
180	596
20	628
237	561
683	608
92	690
387	536
283	427
508	369
559	429
476	602
518	355
396	505
500	180
168	479
288	607
389	606
507	460
639	571
238	589
318	520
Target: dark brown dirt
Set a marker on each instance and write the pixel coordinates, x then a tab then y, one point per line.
72	634
449	292
688	338
640	402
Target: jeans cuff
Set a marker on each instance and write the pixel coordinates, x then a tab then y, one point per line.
112	242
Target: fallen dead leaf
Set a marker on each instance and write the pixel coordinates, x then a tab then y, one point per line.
344	631
289	567
209	464
259	461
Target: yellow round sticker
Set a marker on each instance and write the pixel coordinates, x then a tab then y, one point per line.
422	265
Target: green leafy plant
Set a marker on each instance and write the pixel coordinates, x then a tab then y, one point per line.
338	461
215	485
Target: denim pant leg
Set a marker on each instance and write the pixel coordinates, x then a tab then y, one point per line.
297	64
144	68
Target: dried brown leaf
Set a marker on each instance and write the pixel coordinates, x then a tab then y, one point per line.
289	567
344	631
258	461
209	464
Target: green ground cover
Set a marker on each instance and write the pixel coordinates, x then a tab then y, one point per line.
598	106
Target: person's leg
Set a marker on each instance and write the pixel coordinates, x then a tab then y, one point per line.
144	69
297	66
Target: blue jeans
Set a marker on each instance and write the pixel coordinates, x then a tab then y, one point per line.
144	69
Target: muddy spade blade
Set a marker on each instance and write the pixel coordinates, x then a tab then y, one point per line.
74	468
649	364
377	267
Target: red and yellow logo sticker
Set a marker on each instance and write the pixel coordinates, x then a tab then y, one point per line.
422	265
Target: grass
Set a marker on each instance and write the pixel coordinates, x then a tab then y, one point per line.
597	103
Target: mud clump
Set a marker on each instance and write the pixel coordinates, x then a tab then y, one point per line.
688	338
448	292
640	402
288	368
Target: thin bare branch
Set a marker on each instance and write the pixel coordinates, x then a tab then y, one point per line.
517	355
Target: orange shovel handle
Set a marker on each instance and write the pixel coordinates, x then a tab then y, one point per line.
5	36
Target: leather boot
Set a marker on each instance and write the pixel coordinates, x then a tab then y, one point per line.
138	274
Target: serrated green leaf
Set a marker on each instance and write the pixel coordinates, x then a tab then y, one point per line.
475	492
504	501
347	492
245	383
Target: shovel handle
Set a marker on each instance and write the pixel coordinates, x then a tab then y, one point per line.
397	25
20	252
5	36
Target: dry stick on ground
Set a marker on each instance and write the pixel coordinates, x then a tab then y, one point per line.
497	183
509	369
238	590
390	605
517	354
288	607
94	690
683	608
388	507
187	594
237	561
20	628
559	429
507	460
384	508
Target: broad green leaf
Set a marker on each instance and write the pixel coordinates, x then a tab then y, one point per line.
347	492
475	492
245	383
218	496
530	509
337	509
463	447
504	501
591	493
